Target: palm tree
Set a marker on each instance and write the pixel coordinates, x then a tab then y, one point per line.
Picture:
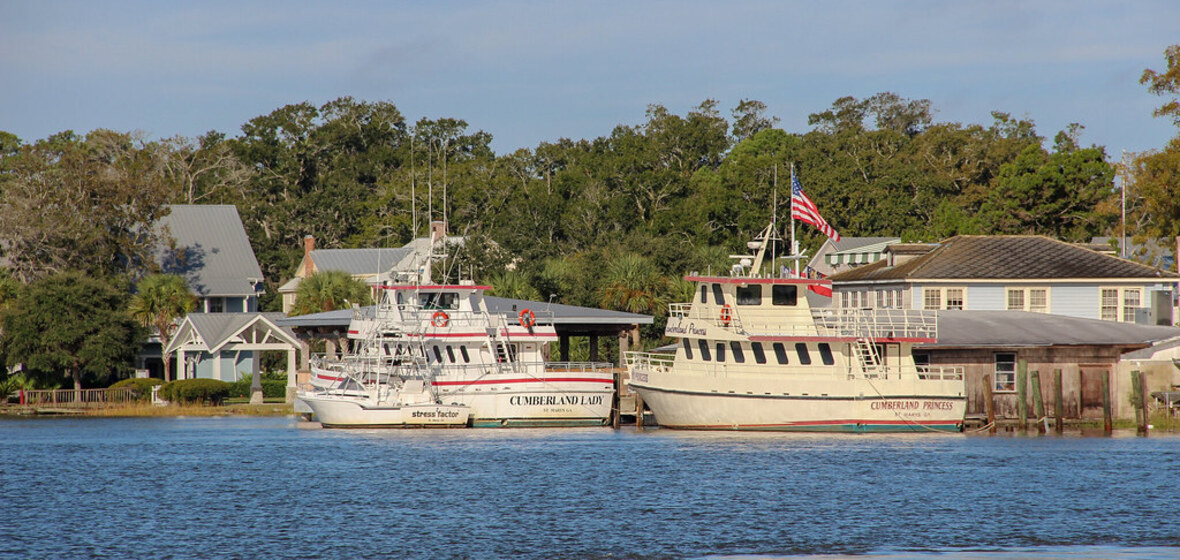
633	284
161	299
329	290
511	284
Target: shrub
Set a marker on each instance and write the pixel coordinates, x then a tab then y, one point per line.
204	391
142	386
273	387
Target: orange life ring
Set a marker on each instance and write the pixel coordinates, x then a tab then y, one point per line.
527	318
440	319
726	314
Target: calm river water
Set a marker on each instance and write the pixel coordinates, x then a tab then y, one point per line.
279	488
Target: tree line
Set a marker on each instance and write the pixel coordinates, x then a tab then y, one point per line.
612	221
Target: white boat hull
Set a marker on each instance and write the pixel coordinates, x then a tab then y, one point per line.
828	405
353	412
507	400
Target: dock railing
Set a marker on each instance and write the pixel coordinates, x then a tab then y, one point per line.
80	398
876	323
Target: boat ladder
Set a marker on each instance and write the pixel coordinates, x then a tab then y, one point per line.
866	346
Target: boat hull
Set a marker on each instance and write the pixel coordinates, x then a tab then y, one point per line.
941	408
352	412
508	401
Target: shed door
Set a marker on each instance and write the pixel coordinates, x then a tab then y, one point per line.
1091	389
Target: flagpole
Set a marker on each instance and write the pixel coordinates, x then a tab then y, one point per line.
774	226
794	244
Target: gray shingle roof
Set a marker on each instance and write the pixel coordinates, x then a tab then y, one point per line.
1005	257
849	243
212	250
215	328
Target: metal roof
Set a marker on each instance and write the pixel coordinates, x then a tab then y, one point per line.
212	250
1012	329
970	257
359	261
559	315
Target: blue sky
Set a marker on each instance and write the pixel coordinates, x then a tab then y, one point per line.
530	72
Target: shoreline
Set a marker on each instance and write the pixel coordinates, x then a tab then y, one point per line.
145	410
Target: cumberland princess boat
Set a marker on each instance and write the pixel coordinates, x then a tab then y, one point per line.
754	355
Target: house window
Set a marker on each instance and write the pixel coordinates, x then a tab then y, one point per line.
750	295
954	298
1119	304
932	298
944	298
1028	299
1005	373
784	295
844	299
1131	301
886	298
1038	300
1015	300
216	305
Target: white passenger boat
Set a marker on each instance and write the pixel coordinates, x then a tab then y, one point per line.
492	364
754	355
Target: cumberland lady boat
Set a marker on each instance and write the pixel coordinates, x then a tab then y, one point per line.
490	362
754	355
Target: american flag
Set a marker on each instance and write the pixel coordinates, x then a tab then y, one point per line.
804	210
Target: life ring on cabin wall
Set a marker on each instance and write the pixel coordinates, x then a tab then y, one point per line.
726	314
440	319
528	318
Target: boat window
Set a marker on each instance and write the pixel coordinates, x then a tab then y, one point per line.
451	354
784	294
704	349
437	354
749	295
435	300
687	349
825	354
738	355
804	356
759	355
718	295
780	353
463	352
720	351
704	293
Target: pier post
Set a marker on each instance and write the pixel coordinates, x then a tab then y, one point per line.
615	411
1058	405
1038	402
1106	416
988	404
638	412
1022	393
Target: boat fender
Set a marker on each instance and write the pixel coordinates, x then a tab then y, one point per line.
726	314
440	319
527	318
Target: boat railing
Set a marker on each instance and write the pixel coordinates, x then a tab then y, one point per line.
876	323
579	367
948	373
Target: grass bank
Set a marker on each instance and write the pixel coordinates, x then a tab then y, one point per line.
137	410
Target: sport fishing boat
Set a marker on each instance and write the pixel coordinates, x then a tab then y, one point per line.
370	393
491	363
754	355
